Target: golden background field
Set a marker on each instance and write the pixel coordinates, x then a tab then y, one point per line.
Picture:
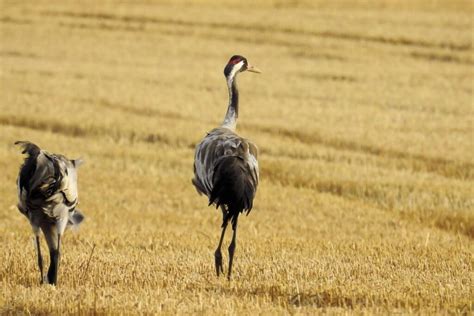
364	120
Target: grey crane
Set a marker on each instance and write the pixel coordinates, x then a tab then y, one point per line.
47	196
226	166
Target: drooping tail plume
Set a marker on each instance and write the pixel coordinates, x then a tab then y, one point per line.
233	185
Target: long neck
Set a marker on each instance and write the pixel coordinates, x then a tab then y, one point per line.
230	120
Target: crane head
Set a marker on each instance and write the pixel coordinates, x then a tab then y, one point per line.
238	64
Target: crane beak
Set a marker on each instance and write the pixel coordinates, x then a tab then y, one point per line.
253	69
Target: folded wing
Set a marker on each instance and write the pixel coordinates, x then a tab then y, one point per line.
229	161
47	182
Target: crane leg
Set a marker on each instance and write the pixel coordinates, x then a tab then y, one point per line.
232	245
53	238
54	265
218	253
40	258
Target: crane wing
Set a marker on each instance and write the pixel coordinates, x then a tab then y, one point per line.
219	143
46	180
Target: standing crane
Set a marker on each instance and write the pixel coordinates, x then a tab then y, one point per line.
225	164
47	196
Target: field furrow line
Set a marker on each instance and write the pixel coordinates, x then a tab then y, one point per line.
419	162
444	210
397	41
91	131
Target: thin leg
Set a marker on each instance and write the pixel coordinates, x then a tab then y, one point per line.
218	253
40	258
232	246
54	265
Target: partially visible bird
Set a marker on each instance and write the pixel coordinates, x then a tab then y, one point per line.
47	196
225	164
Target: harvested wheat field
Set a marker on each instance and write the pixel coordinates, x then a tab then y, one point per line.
363	116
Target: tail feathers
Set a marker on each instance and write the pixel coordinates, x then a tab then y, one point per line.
29	148
75	218
233	185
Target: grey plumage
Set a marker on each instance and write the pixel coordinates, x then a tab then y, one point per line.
226	166
226	170
48	197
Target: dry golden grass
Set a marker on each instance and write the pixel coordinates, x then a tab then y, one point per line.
363	117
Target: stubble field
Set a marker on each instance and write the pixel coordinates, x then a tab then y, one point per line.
364	120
